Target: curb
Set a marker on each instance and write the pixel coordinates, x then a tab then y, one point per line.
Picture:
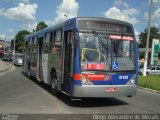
147	89
8	68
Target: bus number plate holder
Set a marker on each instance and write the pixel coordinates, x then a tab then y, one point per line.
110	90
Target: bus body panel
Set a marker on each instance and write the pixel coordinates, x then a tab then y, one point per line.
100	90
109	79
124	85
104	84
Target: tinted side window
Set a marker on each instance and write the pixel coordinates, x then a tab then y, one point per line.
48	37
58	35
35	40
57	47
158	68
153	68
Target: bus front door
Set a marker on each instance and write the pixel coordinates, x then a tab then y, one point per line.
68	62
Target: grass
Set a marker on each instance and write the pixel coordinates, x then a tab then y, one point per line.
151	82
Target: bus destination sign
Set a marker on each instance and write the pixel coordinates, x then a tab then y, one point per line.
104	26
118	37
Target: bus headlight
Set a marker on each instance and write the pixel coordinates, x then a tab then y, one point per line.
85	81
132	81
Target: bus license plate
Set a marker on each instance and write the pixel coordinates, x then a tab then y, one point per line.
110	90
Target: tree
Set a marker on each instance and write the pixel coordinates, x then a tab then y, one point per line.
41	26
19	40
154	33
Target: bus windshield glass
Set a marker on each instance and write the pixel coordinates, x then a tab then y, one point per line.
100	52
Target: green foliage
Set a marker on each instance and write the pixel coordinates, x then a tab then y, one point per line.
154	33
151	82
20	40
40	26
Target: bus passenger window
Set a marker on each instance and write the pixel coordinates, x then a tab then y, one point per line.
35	40
58	35
48	37
54	50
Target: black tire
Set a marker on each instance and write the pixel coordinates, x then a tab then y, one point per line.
129	96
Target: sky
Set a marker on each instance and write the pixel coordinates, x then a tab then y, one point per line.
16	15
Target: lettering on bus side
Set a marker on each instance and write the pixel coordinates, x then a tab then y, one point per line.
123	77
88	72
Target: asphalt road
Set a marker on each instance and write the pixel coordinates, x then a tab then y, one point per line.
18	94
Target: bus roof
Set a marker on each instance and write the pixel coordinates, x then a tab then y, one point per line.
72	20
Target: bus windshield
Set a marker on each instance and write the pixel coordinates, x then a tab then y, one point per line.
99	52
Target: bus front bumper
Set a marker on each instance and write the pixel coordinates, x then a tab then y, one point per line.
102	90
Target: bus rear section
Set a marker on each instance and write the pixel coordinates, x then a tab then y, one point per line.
107	65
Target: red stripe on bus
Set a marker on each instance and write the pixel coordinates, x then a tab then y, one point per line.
97	77
77	77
